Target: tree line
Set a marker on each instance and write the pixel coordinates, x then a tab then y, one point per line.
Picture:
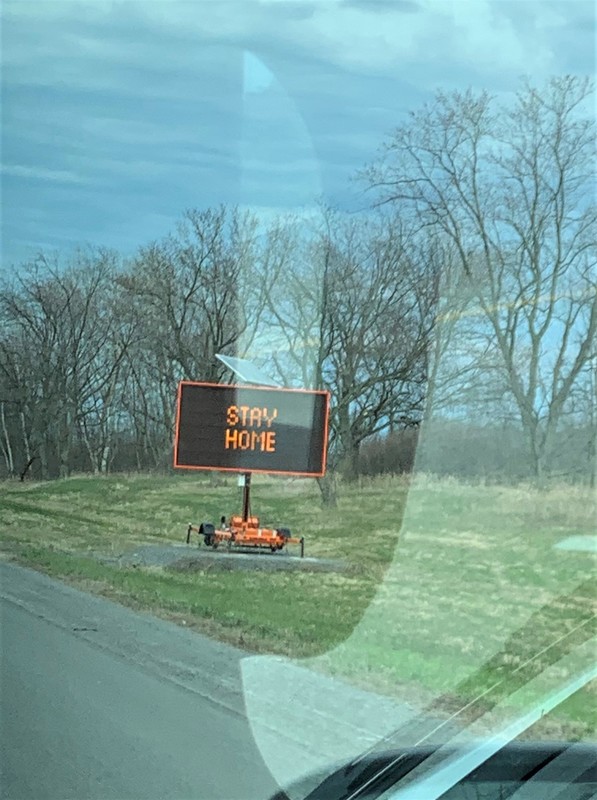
465	295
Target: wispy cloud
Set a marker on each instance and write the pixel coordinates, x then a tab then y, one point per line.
114	112
40	173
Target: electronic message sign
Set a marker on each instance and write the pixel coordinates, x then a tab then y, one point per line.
251	429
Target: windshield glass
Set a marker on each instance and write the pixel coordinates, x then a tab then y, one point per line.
389	204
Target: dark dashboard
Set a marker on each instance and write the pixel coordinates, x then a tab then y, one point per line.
520	771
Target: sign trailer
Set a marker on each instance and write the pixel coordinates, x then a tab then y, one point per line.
250	429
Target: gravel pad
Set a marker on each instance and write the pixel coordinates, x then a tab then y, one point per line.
190	558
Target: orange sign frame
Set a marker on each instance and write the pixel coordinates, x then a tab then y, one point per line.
268	392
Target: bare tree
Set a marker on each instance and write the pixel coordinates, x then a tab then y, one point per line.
512	190
56	327
380	308
352	309
192	294
291	278
100	414
294	342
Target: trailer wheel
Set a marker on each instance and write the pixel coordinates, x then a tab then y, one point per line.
206	528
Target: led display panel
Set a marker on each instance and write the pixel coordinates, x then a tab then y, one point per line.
251	429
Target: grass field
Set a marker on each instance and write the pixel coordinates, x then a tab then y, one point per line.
473	591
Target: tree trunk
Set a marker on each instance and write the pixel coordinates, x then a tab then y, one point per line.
536	442
350	462
26	469
92	456
592	457
43	458
104	462
7	448
65	445
25	437
329	490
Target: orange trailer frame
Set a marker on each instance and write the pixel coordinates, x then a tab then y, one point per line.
244	530
249	534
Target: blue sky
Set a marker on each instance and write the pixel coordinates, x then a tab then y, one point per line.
116	116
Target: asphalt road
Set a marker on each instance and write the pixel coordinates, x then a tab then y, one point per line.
99	702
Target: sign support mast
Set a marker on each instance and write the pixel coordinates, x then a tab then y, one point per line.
246	496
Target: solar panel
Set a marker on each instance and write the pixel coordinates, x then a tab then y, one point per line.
246	371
